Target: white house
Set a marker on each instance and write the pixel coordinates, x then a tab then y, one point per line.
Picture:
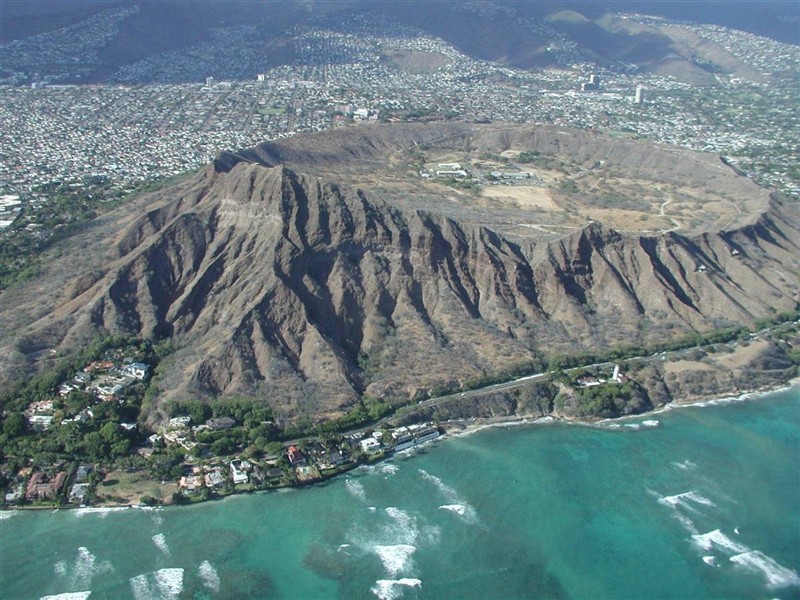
370	445
237	472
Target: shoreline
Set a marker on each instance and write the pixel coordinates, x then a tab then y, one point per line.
470	426
452	429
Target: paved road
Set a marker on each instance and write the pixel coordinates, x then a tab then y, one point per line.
514	383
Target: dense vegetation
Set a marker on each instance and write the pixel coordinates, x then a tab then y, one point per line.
54	212
87	429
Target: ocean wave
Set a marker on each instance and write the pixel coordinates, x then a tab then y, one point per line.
7	514
711	561
356	489
83	569
687	523
503	425
684	497
403	527
68	596
164	584
161	543
459	509
389	469
101	511
390	589
452	496
775	575
396	559
154	512
209	575
686	465
716	539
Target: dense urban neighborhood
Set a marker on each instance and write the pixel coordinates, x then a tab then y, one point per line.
153	123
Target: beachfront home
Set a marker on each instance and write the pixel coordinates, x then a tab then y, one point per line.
214	478
238	471
370	445
294	456
78	492
190	483
42	487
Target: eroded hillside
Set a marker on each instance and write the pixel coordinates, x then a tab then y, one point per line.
277	280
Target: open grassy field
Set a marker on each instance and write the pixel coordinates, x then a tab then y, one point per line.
128	488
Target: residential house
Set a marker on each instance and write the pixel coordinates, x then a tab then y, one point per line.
295	456
214	478
220	423
98	366
78	492
137	370
275	473
370	445
190	483
40	422
82	473
239	472
41	487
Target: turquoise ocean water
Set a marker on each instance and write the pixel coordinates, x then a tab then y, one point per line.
704	505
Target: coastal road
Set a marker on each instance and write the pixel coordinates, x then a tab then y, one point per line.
543	376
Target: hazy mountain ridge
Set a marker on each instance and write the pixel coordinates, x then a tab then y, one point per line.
293	288
510	33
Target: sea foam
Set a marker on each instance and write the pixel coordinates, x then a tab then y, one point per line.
775	575
717	539
686	465
7	514
390	589
402	528
83	569
209	575
355	489
396	559
389	469
161	543
68	596
99	510
453	498
164	584
459	509
685	498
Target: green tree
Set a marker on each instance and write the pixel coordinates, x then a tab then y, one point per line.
15	425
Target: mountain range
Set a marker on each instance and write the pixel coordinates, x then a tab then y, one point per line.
517	34
276	280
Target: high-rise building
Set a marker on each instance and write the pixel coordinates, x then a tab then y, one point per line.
639	97
592	85
261	77
209	81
